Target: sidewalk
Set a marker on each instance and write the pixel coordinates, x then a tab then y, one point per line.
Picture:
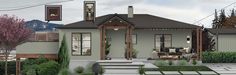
223	68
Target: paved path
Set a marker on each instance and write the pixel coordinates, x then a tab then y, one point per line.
223	68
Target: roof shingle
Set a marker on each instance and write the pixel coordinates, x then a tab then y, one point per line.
140	21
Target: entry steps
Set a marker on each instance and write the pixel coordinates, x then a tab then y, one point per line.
120	67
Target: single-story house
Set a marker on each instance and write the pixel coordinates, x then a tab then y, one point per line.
224	39
87	40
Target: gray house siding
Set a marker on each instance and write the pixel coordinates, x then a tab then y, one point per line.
145	41
95	42
227	43
38	48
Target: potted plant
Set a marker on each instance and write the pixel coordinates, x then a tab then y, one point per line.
141	70
79	69
134	53
107	49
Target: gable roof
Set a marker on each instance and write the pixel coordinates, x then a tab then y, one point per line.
140	21
223	31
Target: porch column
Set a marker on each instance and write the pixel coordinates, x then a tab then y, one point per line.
197	32
102	43
200	51
199	44
130	42
17	66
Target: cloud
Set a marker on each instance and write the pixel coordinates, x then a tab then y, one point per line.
187	11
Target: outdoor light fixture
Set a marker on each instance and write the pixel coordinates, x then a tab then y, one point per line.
116	29
188	39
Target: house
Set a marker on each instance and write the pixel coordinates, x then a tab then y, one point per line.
224	39
86	39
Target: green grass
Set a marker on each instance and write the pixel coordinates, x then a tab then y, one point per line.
184	68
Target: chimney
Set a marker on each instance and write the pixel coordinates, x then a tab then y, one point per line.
130	12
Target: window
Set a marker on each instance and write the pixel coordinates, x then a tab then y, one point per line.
134	38
81	44
162	41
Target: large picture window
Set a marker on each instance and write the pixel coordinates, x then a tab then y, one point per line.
163	41
81	44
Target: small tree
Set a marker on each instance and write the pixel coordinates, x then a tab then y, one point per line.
63	57
13	32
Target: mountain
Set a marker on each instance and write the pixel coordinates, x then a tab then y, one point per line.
38	25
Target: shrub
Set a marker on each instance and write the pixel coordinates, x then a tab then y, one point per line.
79	69
31	72
219	57
64	72
49	68
88	70
30	69
160	63
32	64
182	63
141	70
101	70
194	62
11	67
170	62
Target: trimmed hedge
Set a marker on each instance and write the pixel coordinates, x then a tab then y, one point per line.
184	68
11	67
219	57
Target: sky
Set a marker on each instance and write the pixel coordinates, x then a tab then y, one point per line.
188	11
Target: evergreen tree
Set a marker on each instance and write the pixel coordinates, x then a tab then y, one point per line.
233	13
222	18
63	55
215	21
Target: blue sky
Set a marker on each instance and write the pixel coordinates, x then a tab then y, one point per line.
188	11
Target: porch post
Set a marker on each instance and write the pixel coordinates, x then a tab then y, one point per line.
131	42
102	43
17	66
127	43
197	32
200	51
199	43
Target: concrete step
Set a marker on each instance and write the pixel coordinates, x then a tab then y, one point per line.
114	61
123	64
153	73
121	71
121	67
121	74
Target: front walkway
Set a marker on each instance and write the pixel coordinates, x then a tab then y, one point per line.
223	68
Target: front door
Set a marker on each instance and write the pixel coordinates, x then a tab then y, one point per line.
117	40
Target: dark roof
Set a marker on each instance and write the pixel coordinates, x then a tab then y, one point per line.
140	21
223	31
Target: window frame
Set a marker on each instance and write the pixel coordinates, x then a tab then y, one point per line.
164	40
81	43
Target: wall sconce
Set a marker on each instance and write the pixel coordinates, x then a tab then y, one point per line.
188	39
